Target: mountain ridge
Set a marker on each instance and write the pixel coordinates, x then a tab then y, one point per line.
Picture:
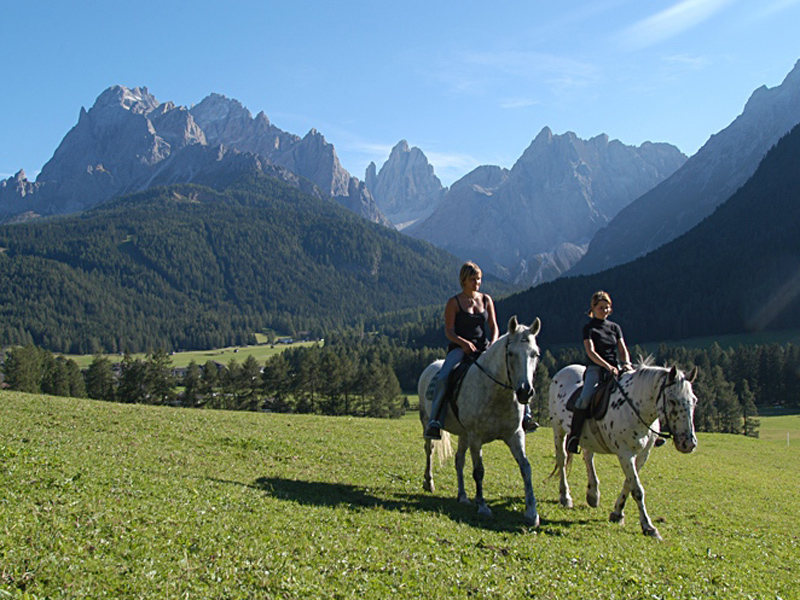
734	272
528	222
708	178
122	143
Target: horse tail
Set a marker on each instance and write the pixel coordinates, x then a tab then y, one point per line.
567	466
442	448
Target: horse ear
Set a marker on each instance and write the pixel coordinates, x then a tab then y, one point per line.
536	327
513	324
693	374
673	373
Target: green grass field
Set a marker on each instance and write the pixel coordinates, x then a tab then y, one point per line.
103	500
261	352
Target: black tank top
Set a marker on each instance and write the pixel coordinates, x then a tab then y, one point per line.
471	326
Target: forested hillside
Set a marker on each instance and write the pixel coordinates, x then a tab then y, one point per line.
191	267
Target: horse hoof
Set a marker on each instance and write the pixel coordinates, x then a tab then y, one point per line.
566	502
484	511
462	499
593	500
653	533
428	486
532	521
617	518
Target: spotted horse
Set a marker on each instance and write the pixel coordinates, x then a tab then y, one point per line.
644	400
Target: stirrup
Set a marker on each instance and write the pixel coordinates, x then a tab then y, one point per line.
573	445
433	431
529	425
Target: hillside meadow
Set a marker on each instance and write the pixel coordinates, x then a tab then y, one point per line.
261	352
102	500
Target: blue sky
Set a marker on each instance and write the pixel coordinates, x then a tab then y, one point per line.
468	82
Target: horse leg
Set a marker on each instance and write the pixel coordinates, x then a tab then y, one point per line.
461	458
477	475
517	447
592	482
559	439
634	485
427	485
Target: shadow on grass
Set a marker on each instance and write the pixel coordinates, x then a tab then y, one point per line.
507	512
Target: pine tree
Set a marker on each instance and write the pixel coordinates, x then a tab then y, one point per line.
99	379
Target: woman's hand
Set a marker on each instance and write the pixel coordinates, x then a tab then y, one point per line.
468	347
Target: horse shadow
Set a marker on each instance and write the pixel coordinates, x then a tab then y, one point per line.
356	498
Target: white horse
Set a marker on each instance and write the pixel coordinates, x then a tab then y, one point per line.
490	406
650	395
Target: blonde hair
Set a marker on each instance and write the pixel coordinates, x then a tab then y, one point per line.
469	269
597	298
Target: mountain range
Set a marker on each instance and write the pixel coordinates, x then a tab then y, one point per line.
737	271
529	223
724	163
128	141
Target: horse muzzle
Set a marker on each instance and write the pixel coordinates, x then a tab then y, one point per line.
685	443
524	393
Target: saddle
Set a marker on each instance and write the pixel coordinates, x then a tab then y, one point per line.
454	381
598	405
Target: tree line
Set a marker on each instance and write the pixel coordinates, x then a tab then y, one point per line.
368	375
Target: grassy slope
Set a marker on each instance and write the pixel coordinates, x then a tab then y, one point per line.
109	500
261	352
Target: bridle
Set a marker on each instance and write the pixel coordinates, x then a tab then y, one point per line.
508	385
661	394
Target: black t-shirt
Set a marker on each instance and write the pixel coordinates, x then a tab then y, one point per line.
605	335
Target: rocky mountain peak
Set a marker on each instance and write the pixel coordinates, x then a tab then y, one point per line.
128	141
763	97
136	100
406	188
217	107
559	192
724	163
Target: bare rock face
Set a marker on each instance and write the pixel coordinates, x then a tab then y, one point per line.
406	188
726	161
530	223
226	121
129	141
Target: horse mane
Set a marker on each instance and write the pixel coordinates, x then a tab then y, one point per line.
647	370
645	361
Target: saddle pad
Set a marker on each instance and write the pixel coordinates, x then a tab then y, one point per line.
598	405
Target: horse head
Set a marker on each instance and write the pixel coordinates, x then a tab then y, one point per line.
522	357
677	410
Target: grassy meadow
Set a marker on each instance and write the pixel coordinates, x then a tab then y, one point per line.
261	352
102	500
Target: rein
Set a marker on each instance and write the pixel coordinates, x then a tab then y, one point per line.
664	386
506	386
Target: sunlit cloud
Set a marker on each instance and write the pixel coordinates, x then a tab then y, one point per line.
684	60
512	103
671	22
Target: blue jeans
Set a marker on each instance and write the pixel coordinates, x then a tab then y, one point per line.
455	356
590	381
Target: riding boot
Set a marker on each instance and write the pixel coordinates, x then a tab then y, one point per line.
438	412
578	417
528	424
